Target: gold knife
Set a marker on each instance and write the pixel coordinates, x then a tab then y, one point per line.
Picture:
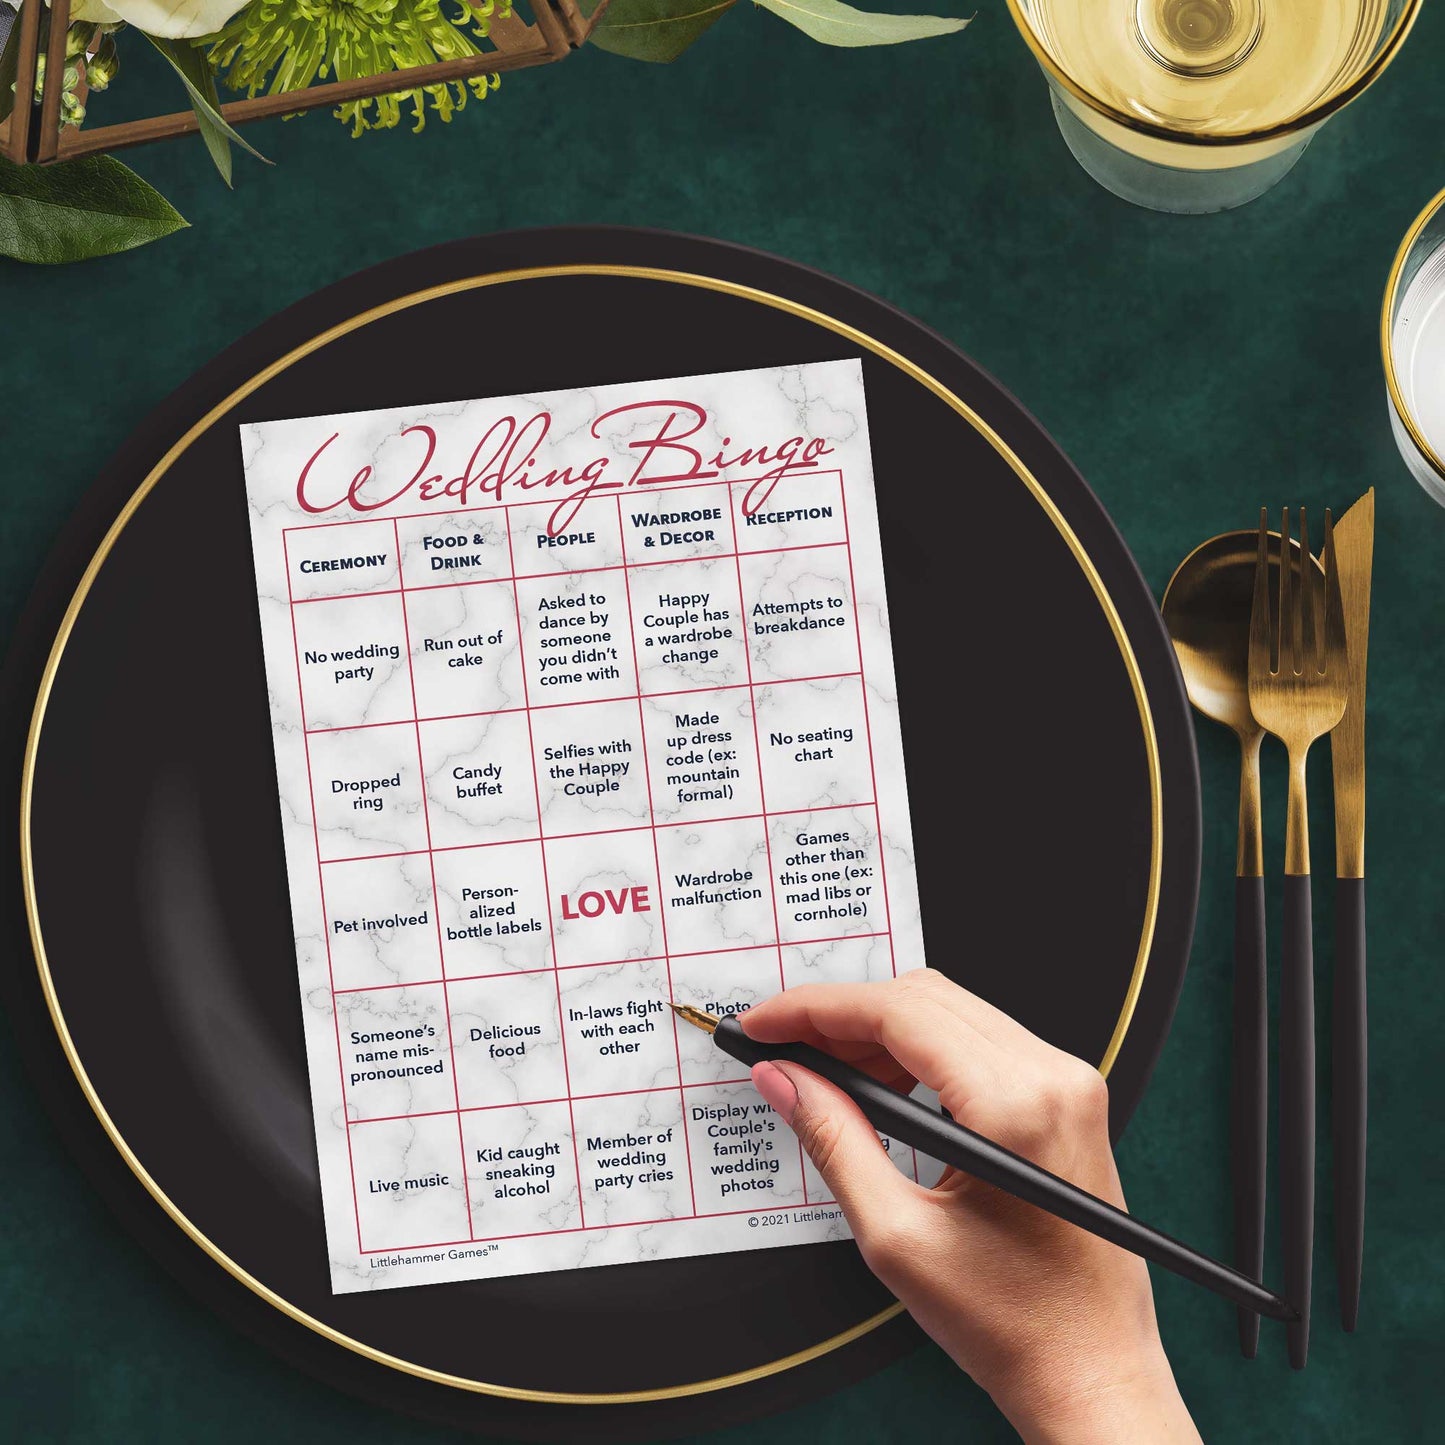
1354	553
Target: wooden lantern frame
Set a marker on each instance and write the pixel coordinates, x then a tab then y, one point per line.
35	135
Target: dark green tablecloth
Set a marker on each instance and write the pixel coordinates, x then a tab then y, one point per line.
1192	368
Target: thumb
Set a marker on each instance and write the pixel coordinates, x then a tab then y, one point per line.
842	1144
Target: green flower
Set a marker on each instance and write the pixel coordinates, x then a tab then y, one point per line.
283	45
72	110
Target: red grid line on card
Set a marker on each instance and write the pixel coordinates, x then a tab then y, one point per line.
656	858
436	912
618	962
663	488
729	686
872	769
394	1118
599	832
443	717
346	596
321	889
546	886
560	1099
418	983
546	576
790	943
591	702
762	791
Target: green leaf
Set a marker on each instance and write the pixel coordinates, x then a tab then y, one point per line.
90	207
656	30
195	72
834	23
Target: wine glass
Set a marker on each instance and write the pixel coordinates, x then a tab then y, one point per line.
1412	338
1200	105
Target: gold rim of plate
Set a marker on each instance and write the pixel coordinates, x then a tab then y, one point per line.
1303	121
77	601
1392	285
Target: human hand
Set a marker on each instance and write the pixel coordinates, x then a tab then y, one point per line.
1057	1325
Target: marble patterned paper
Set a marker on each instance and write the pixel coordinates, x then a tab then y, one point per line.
582	703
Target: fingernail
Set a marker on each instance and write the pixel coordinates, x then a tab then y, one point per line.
777	1088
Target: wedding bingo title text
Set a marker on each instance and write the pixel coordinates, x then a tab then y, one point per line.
510	457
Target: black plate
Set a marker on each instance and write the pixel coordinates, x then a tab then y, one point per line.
1056	858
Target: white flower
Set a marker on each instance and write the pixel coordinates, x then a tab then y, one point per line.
173	19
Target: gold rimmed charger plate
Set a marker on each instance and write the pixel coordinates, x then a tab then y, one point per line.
906	369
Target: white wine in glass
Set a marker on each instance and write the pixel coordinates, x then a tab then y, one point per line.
1199	105
1412	337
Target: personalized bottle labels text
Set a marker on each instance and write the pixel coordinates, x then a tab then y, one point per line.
582	703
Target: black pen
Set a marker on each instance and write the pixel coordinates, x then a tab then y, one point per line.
933	1133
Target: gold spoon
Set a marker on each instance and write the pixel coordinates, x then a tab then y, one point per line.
1207	606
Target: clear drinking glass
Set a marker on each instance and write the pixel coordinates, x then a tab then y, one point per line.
1412	338
1200	105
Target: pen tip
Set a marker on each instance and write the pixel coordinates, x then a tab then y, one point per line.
694	1016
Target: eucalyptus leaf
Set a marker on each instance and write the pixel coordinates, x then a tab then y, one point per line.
71	212
195	72
834	23
656	30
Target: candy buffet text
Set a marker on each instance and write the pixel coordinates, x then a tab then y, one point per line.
508	459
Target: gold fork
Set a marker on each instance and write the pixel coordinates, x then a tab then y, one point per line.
1297	691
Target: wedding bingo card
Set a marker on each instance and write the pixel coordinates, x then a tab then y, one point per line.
582	703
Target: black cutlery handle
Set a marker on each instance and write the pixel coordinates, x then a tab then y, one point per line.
1350	1092
931	1130
1249	1093
1297	1109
